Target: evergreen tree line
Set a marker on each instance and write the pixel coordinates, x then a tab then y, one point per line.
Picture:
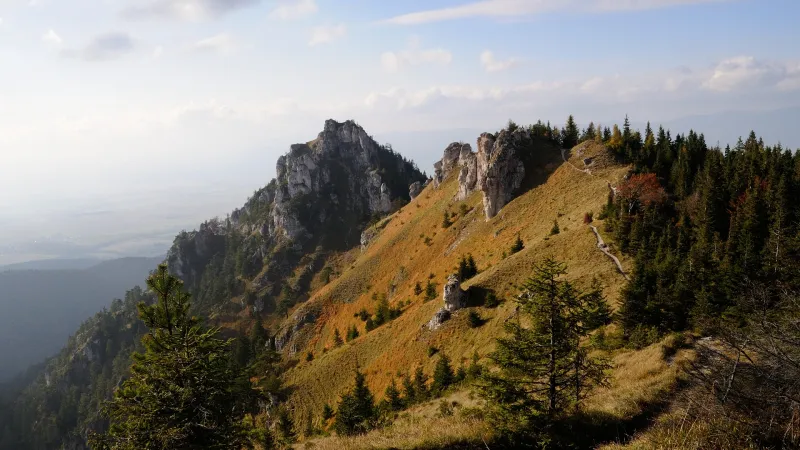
701	222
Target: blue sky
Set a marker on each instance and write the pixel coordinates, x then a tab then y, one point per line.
101	100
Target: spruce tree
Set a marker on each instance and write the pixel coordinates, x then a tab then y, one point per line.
392	397
518	246
443	375
569	138
327	412
409	392
337	338
420	385
183	391
544	371
356	412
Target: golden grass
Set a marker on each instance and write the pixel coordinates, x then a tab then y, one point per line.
420	427
640	379
399	255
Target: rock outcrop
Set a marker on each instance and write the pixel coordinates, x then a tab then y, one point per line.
450	161
497	169
324	193
501	170
415	189
454	299
468	177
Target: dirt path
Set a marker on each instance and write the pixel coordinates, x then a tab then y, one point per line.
604	248
600	243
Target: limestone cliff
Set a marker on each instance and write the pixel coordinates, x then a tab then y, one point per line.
504	163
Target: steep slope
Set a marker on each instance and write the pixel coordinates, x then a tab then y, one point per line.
262	257
40	308
413	246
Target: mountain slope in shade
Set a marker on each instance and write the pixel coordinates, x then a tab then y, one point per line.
41	308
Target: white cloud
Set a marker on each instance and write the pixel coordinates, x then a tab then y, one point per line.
294	9
326	34
414	56
221	43
158	52
745	71
516	8
490	64
103	47
52	38
191	10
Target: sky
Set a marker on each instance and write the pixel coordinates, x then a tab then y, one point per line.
124	121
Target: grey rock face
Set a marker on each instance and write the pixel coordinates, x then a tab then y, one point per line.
415	189
500	169
441	316
298	321
454	299
450	161
468	177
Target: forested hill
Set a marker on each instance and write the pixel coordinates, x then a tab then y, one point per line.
352	261
41	308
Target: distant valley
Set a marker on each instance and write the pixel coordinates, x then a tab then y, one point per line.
43	302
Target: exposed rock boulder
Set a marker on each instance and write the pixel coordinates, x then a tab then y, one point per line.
367	237
415	189
454	299
438	319
501	170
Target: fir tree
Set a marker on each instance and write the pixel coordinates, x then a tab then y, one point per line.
409	392
337	338
570	137
443	375
327	412
182	391
420	385
417	288
518	246
285	426
544	370
356	412
555	230
392	397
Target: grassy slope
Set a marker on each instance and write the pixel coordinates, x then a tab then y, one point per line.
401	345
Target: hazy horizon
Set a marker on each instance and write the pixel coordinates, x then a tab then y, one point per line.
124	121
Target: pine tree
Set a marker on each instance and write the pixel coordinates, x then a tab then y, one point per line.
420	385
409	392
443	375
285	426
544	370
182	391
570	137
392	397
337	338
555	230
352	333
518	246
417	288
327	412
356	412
